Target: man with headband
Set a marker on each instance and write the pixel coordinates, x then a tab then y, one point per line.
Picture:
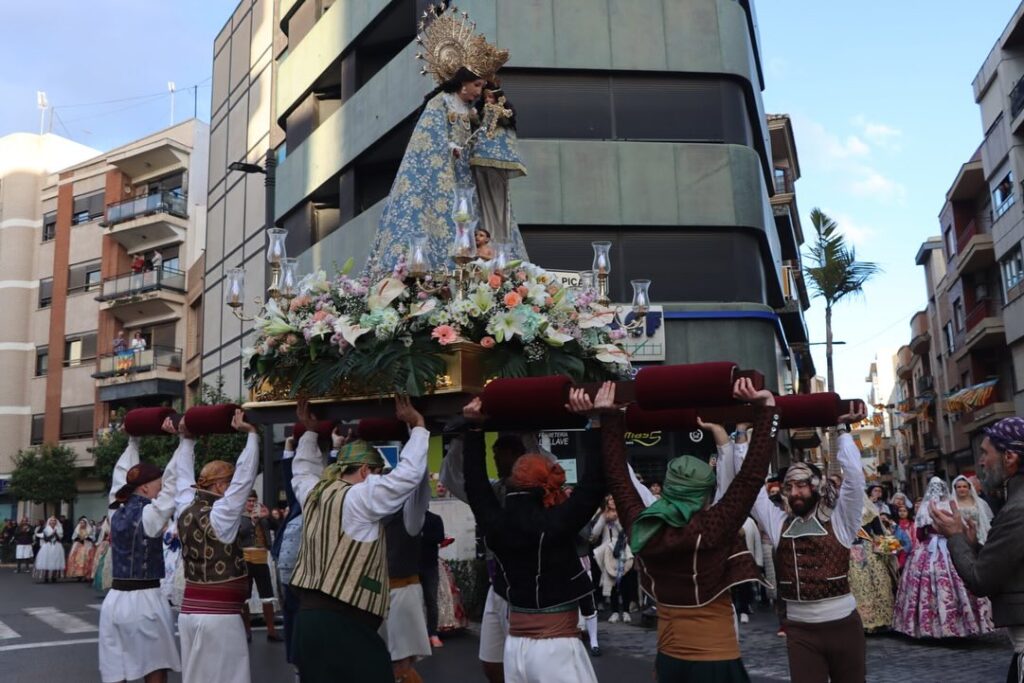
341	575
210	509
136	636
996	569
824	634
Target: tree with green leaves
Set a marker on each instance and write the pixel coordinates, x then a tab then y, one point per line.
834	273
45	474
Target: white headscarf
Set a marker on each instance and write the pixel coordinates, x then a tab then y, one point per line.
984	511
938	492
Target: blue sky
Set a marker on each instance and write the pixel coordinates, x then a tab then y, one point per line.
880	95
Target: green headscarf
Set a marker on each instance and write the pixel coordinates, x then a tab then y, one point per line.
356	452
688	482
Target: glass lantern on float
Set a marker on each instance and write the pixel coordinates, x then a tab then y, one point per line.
289	278
602	269
502	252
588	281
284	277
276	252
418	260
234	288
464	204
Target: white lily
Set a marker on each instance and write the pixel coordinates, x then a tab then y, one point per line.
597	316
556	337
422	308
384	292
274	321
504	326
610	353
349	332
314	283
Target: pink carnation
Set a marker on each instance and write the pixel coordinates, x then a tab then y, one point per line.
444	334
487	342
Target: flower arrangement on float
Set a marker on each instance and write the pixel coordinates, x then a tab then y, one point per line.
345	336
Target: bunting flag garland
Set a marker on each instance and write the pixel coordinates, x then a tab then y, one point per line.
972	397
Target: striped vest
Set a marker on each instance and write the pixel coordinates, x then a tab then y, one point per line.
350	571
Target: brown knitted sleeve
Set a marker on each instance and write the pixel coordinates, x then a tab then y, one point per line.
720	523
613	449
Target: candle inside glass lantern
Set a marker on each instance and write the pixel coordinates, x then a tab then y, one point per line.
641	296
464	249
418	260
587	280
464	204
501	255
289	277
602	258
234	289
276	250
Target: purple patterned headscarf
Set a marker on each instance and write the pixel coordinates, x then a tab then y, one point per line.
1007	434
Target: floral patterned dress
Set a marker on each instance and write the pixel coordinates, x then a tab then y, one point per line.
871	585
82	552
932	601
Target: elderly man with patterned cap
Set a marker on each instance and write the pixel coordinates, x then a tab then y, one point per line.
996	569
136	637
825	637
213	646
341	575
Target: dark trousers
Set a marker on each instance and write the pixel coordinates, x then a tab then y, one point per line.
588	606
1016	672
290	609
743	597
830	651
333	647
429	579
671	670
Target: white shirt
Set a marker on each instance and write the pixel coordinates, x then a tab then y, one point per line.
227	510
157	512
846	522
753	540
378	496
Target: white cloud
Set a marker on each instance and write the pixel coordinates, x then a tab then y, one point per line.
880	135
873	184
856	233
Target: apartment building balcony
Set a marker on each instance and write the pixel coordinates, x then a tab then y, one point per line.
969	182
975	249
134	374
791	313
1017	107
982	417
924	384
150	221
134	297
984	329
153	159
920	337
904	359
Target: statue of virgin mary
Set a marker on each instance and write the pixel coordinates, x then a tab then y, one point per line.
440	155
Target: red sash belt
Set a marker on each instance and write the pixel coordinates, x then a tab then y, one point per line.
215	598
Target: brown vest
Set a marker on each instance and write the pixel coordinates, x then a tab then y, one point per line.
207	559
811	563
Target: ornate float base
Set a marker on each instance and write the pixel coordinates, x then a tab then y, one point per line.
464	377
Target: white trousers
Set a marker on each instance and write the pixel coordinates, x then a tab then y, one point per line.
405	629
213	649
493	628
547	660
136	635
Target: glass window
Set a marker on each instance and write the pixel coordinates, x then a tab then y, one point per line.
42	360
49	226
1002	195
87	207
45	292
958	315
950	238
1012	268
79	349
38	422
950	344
84	276
76	423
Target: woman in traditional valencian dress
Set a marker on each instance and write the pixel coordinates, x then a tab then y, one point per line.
101	571
82	551
437	159
495	160
870	579
973	509
932	601
50	558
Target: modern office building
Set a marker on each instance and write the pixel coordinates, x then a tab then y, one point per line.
85	229
642	127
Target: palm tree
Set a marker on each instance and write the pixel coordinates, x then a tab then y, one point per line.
834	274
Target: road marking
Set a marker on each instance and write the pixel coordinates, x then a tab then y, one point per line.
6	632
65	623
52	643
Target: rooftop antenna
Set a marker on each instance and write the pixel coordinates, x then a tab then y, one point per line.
171	89
43	105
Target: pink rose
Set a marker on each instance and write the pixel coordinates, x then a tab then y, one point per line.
444	334
319	315
488	342
512	299
494	281
521	275
523	290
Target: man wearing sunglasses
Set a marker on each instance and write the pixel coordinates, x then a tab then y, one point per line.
341	575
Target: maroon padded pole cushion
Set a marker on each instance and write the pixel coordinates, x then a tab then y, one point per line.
685	386
808	410
146	421
203	420
382	429
677	420
323	429
539	399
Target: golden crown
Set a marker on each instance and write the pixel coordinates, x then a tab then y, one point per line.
450	42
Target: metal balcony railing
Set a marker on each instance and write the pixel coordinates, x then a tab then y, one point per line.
783	182
965	235
131	361
981	310
133	284
174	203
925	384
1017	98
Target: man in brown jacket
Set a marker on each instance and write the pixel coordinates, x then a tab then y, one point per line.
689	553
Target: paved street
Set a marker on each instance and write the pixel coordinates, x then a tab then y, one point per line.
48	633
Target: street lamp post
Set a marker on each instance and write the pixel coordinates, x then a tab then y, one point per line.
269	171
